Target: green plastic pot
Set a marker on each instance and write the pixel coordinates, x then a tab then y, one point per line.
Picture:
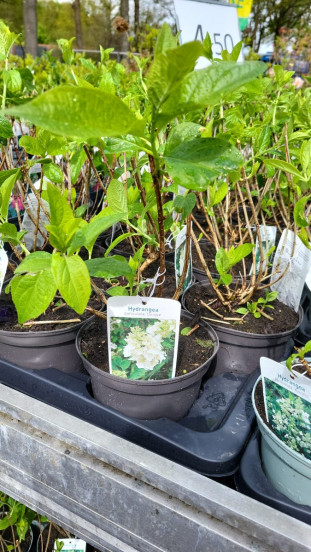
288	471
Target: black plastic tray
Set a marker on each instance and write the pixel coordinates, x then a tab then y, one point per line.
210	439
252	481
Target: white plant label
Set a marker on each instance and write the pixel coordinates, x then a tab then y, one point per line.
3	264
287	399
28	225
290	287
180	255
308	280
220	20
71	545
268	237
143	337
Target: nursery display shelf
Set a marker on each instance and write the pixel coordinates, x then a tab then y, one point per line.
252	481
210	439
119	496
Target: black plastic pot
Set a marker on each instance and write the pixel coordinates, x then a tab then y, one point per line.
41	350
240	351
210	439
153	399
252	481
304	330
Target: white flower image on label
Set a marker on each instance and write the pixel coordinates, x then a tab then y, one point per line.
144	348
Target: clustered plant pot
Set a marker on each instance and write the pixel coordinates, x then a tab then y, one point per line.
43	349
149	400
241	351
288	471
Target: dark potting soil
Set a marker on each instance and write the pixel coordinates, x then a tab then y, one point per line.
49	535
169	286
191	354
63	313
284	318
9	540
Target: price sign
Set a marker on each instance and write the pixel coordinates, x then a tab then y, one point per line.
196	18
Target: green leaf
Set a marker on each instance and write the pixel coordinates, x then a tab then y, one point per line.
220	193
184	331
299	212
66	49
108	267
12	79
242	310
117	291
7	39
283	166
54	173
303	235
87	235
60	210
80	113
6	191
264	139
185	204
222	261
207	47
116	197
165	41
236	254
31	145
76	163
168	70
32	294
6	130
193	162
207	87
305	155
35	262
128	144
118	240
73	280
107	84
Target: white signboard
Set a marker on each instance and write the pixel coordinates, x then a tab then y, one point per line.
195	19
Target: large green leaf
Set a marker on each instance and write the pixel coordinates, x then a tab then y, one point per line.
283	166
193	161
80	113
165	41
207	87
129	144
87	235
32	294
168	70
12	79
116	197
54	173
73	280
5	127
108	267
5	193
76	164
35	262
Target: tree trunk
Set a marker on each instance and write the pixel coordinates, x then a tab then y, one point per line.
124	12
136	18
30	26
78	26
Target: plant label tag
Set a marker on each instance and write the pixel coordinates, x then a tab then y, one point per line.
3	264
143	337
180	257
268	237
295	258
287	399
308	280
70	545
28	225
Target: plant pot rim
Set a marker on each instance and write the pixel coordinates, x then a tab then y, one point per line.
296	455
60	331
150	383
230	330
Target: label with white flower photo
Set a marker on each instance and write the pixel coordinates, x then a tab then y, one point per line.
268	237
3	264
287	397
143	337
